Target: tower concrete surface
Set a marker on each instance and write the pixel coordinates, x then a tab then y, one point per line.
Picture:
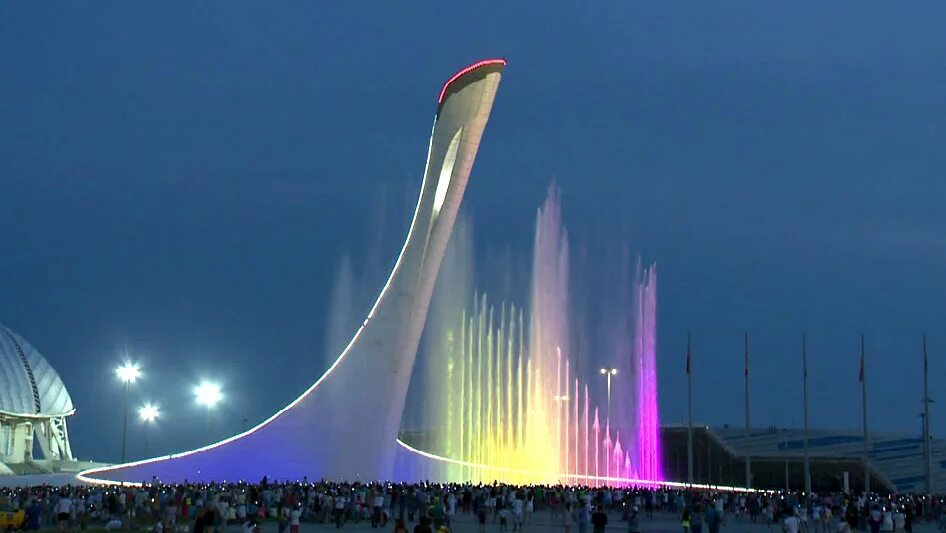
345	425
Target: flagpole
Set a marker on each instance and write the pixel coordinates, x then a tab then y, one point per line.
863	377
689	415
748	459
804	358
927	443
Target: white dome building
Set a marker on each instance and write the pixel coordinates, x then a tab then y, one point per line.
34	404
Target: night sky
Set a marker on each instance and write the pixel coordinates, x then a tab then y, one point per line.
182	180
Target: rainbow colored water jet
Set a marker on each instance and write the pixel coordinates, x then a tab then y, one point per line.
512	401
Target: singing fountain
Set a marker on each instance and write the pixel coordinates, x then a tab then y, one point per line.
511	406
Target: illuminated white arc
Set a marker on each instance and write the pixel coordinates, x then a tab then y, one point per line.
84	476
465	100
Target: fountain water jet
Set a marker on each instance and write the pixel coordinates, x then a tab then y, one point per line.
511	375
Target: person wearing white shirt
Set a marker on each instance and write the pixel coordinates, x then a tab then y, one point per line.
791	524
377	507
816	517
294	516
517	514
250	527
63	511
340	502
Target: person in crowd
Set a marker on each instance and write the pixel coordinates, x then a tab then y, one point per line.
423	525
633	520
568	517
377	504
529	507
34	515
200	522
791	523
208	508
504	516
696	519
400	526
713	518
518	507
876	518
599	520
63	511
437	513
294	519
481	517
584	515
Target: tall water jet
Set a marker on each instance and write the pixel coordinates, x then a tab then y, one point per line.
549	324
645	364
508	396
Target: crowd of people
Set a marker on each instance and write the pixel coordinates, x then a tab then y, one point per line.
430	507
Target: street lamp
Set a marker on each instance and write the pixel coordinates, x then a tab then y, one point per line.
608	372
208	395
128	373
148	414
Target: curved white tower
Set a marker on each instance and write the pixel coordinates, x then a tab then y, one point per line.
345	425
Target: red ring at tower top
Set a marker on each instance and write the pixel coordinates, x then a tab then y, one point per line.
466	70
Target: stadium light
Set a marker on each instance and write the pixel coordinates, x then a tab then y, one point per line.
208	394
148	412
128	373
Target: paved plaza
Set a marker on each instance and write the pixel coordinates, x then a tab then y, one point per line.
542	522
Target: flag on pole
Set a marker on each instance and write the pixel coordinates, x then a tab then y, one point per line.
804	355
746	368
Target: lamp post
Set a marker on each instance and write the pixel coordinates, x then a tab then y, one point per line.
608	372
128	373
148	414
208	395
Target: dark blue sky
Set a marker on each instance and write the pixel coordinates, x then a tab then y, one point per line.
183	180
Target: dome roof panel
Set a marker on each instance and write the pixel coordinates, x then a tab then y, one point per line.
29	385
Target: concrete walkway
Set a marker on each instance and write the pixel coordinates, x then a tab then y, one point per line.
542	522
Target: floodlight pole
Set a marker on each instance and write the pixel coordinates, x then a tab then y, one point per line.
804	355
689	415
125	422
748	458
863	378
927	443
